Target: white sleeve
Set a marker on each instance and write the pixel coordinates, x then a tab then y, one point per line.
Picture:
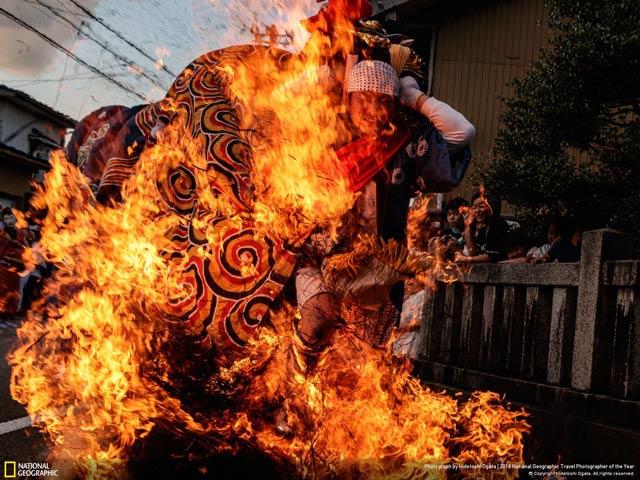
456	130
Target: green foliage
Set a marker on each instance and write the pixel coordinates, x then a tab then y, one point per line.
570	140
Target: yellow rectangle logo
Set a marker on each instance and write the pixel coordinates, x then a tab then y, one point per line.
9	469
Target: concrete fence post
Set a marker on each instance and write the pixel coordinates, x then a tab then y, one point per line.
591	355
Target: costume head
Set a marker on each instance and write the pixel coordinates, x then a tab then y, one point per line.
372	86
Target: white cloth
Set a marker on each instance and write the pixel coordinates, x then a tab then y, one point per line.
456	130
409	341
410	92
374	76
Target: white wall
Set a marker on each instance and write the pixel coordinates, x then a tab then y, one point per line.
14	118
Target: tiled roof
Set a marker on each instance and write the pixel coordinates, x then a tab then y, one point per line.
61	117
18	156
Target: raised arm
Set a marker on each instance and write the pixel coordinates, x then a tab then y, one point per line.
456	130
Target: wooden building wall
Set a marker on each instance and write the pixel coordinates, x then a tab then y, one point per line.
479	49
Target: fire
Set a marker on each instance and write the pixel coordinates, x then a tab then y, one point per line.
101	361
81	355
364	416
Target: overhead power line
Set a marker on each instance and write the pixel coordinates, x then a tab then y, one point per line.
104	46
55	44
62	8
121	36
68	78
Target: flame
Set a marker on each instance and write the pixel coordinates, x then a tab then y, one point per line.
95	362
364	416
82	351
254	19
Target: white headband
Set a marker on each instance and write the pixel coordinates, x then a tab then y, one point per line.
373	76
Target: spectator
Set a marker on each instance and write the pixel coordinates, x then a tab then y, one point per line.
10	264
486	233
31	280
9	223
535	254
454	220
516	250
566	247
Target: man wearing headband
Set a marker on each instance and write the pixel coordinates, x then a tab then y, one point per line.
388	162
379	83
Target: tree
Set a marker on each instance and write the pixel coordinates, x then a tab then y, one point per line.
569	143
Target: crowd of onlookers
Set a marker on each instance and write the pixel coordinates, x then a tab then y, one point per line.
475	232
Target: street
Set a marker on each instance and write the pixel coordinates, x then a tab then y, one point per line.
19	442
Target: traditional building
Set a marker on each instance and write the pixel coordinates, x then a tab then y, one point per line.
29	131
474	49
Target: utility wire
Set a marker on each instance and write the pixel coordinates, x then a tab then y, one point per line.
67	78
55	44
61	8
120	36
106	47
64	71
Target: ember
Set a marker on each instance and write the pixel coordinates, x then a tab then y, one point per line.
154	318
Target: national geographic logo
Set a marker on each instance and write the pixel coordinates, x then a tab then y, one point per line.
14	469
10	469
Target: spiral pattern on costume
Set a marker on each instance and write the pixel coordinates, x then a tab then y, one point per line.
242	262
255	310
232	274
182	82
178	189
202	227
232	154
207	85
217	118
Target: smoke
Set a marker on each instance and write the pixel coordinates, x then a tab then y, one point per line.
25	54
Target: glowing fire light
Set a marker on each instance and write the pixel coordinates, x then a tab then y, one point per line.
94	357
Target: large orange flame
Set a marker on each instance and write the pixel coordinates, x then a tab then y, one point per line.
94	363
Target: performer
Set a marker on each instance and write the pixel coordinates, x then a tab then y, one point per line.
228	307
388	161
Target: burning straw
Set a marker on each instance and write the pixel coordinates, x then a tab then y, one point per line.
103	362
101	367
